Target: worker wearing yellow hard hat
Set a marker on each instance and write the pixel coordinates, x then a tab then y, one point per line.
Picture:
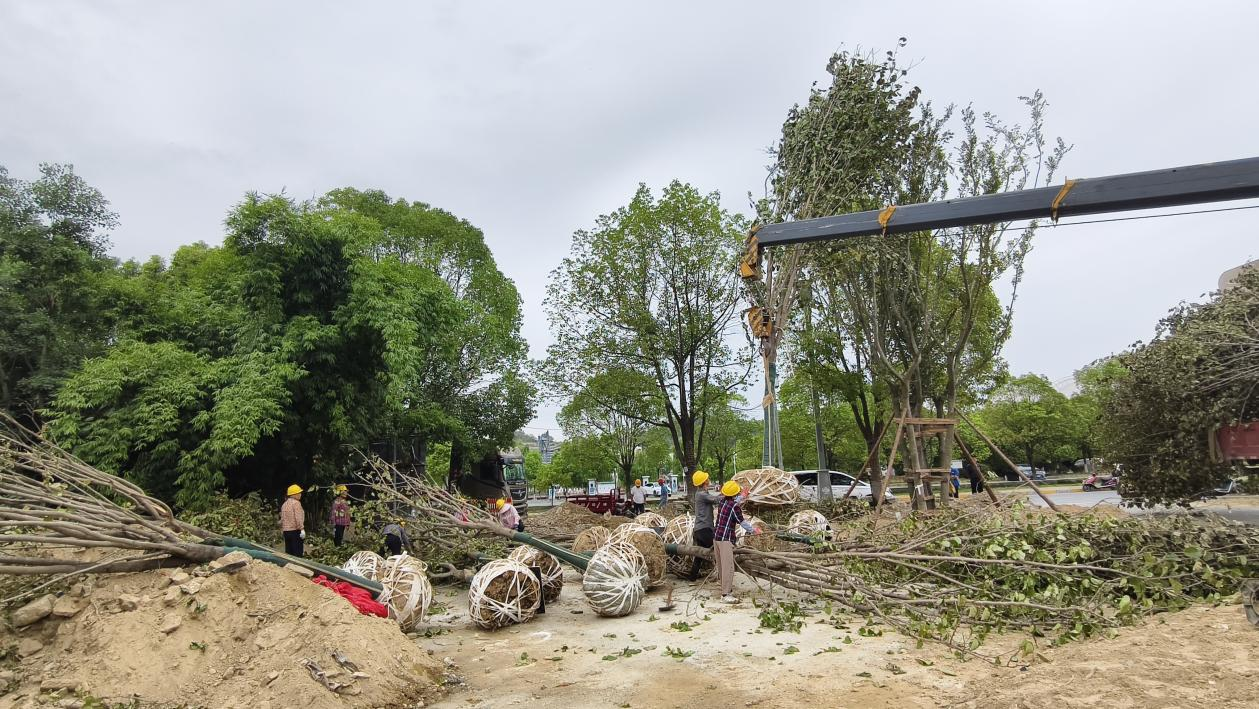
507	514
293	521
729	516
638	497
704	504
340	517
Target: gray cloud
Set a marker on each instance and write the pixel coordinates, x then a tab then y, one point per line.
530	119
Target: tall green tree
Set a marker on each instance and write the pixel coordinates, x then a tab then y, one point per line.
1030	416
652	289
302	339
55	280
614	407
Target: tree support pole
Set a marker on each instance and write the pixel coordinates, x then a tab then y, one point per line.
1007	461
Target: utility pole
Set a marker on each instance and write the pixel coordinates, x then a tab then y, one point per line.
823	475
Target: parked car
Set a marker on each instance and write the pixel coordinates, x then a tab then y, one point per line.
1036	474
840	482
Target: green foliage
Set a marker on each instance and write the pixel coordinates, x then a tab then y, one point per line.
782	617
1029	417
55	283
318	329
652	290
1161	401
249	517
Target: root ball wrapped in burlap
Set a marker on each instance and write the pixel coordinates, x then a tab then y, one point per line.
502	593
768	486
680	530
651	520
406	590
552	572
615	580
764	541
591	539
649	544
365	563
810	523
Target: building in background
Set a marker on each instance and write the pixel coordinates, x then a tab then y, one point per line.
546	446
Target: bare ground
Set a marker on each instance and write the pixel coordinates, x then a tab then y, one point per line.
1204	656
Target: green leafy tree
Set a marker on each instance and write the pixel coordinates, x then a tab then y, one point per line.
1200	371
614	407
54	284
580	459
724	427
652	289
1030	416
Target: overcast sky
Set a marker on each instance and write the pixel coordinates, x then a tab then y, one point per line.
530	119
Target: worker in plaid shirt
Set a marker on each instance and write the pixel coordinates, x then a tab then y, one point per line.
728	515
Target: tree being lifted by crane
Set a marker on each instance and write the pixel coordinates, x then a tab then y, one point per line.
917	302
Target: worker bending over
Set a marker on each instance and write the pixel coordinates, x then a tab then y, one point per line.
396	537
728	515
293	522
508	515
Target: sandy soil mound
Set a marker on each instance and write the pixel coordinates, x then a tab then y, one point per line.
1198	657
225	640
566	521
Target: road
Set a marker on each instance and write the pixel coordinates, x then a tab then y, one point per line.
1239	508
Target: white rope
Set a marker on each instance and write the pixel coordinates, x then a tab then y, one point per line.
680	530
615	580
407	590
652	520
809	523
520	590
365	563
769	486
626	530
552	572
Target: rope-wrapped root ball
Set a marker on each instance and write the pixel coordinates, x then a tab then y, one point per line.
591	539
680	530
552	572
810	523
769	486
365	563
407	591
763	541
652	520
649	544
615	580
503	592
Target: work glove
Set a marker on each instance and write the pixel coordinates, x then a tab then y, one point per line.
302	534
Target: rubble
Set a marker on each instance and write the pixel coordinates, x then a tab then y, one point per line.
32	612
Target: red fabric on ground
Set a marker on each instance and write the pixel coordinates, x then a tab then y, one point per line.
360	598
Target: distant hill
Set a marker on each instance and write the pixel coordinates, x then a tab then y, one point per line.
524	440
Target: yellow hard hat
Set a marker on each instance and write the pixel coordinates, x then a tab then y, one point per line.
730	489
500	502
699	478
294	490
638	481
341	489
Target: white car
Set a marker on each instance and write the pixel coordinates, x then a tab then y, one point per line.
840	482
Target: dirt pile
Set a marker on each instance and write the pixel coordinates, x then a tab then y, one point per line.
255	637
566	521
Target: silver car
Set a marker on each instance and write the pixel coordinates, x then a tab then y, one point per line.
840	482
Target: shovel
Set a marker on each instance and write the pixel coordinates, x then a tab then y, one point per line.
668	601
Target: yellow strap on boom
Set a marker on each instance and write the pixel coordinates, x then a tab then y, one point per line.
1062	194
885	216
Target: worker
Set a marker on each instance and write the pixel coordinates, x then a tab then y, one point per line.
728	515
340	517
976	478
638	495
664	492
293	521
396	537
508	515
702	533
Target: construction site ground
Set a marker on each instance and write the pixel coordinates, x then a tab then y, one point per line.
705	653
